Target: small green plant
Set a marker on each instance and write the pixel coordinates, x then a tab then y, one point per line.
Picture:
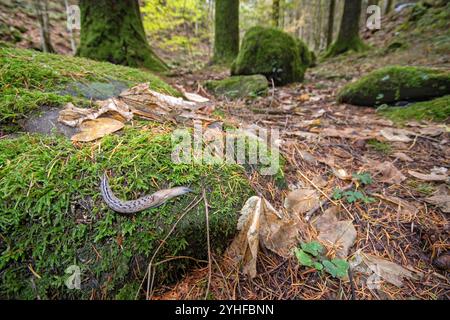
364	178
351	196
310	254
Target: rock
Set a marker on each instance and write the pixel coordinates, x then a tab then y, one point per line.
239	86
95	90
272	53
396	83
46	122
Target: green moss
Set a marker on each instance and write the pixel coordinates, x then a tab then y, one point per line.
29	79
353	44
382	147
52	215
396	83
272	53
434	110
239	86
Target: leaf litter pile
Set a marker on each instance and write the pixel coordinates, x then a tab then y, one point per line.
363	214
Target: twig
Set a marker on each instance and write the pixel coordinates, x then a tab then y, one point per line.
208	243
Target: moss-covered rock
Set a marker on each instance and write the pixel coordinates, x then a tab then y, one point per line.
272	53
435	110
52	215
396	83
30	79
239	86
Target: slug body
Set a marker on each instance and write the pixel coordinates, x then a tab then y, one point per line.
151	201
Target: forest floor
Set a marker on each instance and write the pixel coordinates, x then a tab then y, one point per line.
321	138
324	143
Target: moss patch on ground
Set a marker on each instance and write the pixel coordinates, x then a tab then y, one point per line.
434	110
239	86
396	83
272	53
30	79
52	215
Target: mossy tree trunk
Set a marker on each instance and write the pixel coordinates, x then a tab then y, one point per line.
331	12
348	38
389	6
226	39
113	31
276	13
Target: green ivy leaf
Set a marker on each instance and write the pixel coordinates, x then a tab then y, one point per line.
303	258
318	266
337	194
353	196
364	178
338	268
314	248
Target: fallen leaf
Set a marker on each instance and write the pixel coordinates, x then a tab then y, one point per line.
301	201
402	156
97	128
74	116
260	224
195	97
389	173
339	234
304	97
380	268
396	135
432	131
341	174
428	177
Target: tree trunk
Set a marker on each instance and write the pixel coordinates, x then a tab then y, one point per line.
348	38
226	39
276	13
113	31
390	6
330	31
41	8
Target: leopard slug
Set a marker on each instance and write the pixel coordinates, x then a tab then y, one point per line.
150	201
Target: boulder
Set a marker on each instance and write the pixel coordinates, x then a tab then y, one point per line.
239	86
396	83
272	53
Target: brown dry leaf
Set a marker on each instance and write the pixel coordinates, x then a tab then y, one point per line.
339	234
97	128
341	174
319	181
380	268
396	135
259	223
301	201
195	97
304	97
441	198
428	177
402	156
432	131
349	133
389	173
74	116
